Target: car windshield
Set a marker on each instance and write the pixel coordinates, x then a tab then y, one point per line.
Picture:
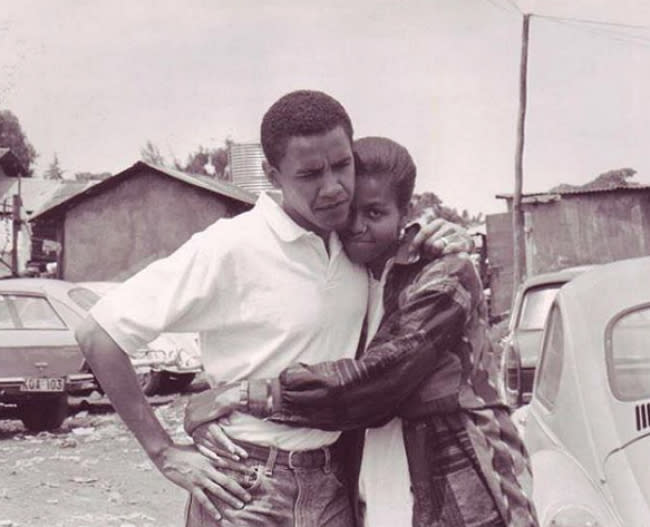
535	306
84	298
28	312
628	353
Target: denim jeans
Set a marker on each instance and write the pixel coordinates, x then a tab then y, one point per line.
283	497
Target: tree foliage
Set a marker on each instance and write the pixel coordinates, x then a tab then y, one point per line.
13	137
430	203
54	170
150	153
212	162
616	178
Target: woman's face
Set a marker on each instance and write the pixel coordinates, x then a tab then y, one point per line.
375	222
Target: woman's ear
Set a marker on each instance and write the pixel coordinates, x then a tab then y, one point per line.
271	173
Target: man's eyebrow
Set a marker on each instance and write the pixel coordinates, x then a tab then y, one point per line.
311	167
342	159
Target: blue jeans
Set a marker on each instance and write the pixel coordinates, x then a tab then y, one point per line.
283	497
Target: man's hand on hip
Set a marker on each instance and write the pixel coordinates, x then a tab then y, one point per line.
200	476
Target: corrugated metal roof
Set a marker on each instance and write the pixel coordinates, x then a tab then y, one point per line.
575	191
245	161
220	187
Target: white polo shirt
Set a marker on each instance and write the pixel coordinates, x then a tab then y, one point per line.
262	292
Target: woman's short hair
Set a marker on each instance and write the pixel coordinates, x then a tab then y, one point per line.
383	157
300	113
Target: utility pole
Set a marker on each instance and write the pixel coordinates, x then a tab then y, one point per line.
16	224
519	240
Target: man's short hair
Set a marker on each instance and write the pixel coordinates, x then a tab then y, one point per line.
300	113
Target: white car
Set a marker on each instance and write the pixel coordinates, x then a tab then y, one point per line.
587	427
168	363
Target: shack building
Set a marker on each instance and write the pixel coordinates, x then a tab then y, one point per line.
119	225
567	228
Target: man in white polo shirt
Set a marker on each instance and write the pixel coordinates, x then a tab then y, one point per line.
264	289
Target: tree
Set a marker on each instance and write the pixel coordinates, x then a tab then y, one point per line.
428	202
150	153
616	178
208	162
12	137
211	162
54	171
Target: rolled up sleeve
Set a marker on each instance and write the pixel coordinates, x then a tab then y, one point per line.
177	293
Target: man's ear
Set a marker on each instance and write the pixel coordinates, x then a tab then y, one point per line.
271	173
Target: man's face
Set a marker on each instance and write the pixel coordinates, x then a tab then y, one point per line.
316	176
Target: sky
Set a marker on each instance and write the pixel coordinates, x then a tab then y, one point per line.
93	81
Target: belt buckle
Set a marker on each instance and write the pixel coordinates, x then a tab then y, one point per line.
290	460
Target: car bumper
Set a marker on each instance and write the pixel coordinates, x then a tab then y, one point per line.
13	388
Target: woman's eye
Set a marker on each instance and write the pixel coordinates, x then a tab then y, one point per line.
374	214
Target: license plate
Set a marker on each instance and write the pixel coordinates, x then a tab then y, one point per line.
43	384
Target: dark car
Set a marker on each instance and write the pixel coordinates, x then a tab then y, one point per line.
521	344
40	360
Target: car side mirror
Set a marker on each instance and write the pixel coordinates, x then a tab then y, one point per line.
511	372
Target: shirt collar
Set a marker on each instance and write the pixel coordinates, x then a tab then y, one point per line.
279	221
287	229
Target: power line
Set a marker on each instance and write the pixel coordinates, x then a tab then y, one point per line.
513	4
605	33
501	7
593	22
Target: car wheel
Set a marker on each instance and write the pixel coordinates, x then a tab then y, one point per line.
176	382
151	381
45	414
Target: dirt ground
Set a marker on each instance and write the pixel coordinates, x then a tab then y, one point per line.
91	472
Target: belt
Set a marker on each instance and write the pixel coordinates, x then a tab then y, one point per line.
317	458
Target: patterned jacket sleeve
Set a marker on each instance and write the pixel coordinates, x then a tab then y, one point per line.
345	394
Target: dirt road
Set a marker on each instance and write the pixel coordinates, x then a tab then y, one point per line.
90	473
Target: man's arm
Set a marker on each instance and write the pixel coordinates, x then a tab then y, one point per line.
182	465
348	393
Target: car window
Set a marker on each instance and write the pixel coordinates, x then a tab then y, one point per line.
535	305
68	314
6	320
84	298
550	368
628	354
35	312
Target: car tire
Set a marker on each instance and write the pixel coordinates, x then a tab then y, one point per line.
177	382
38	416
151	381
